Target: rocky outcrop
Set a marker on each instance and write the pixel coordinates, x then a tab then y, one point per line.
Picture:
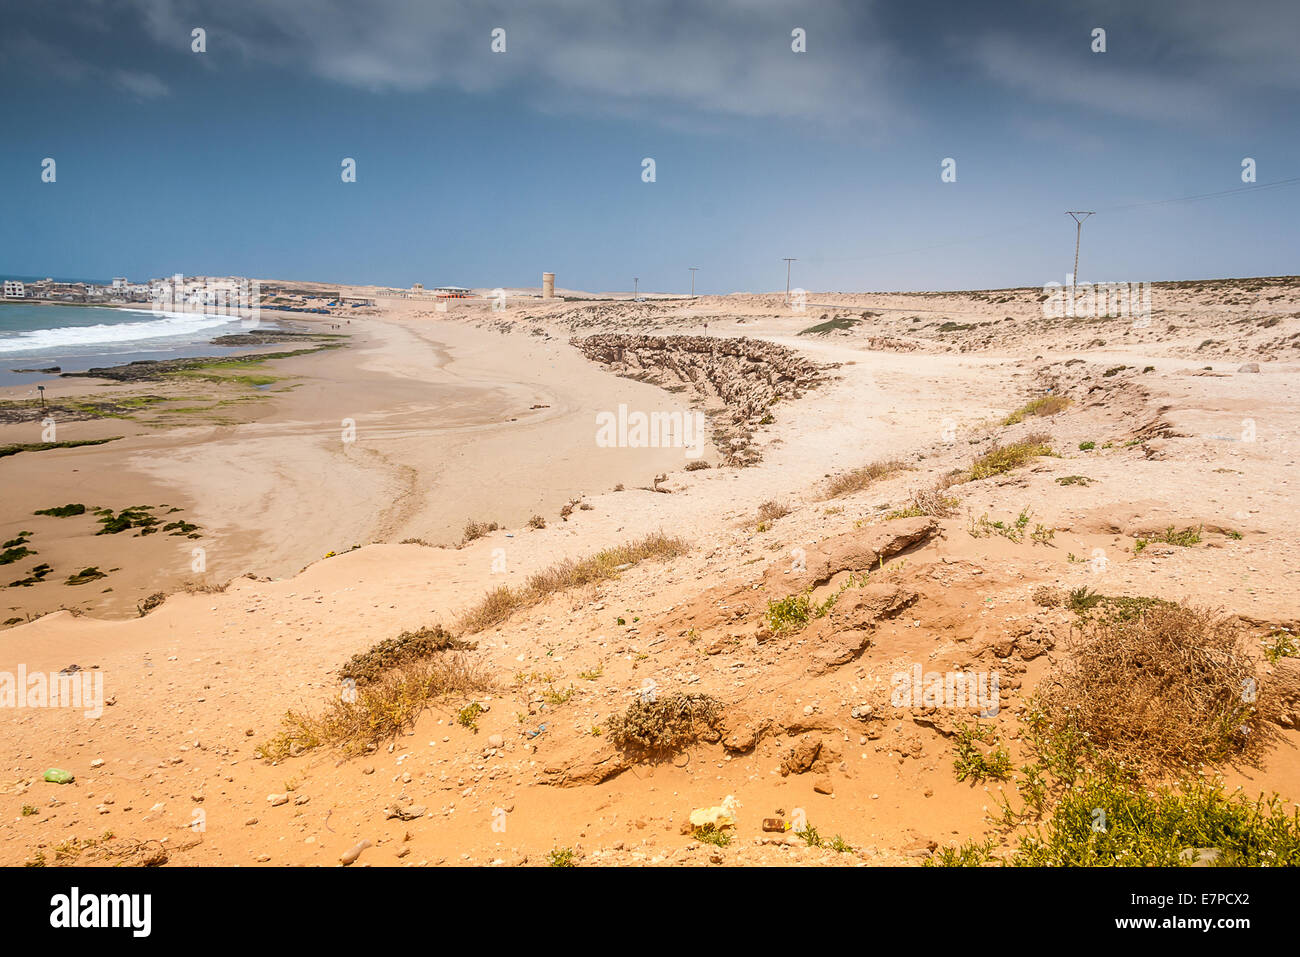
735	381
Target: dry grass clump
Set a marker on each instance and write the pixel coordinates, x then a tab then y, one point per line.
929	501
202	588
378	711
1043	406
475	530
406	648
771	510
1004	458
696	465
498	604
660	727
860	478
105	851
537	521
1165	687
150	603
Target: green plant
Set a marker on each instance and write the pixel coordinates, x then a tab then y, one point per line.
970	854
62	511
468	715
561	857
1013	531
810	836
1087	446
552	696
976	762
1042	406
708	834
1107	821
1004	458
1280	644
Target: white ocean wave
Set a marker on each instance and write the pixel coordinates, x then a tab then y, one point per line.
61	338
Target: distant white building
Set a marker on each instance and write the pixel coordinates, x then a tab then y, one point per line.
451	292
14	289
120	284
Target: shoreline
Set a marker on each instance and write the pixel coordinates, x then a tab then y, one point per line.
450	425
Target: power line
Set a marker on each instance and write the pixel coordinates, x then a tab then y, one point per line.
1038	224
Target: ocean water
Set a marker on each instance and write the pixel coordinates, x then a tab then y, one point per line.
77	338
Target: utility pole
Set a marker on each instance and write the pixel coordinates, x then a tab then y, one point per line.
788	261
635	282
1078	234
692	269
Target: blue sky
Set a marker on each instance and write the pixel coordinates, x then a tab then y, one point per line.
484	169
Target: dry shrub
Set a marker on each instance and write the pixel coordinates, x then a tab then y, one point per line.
499	603
378	711
202	588
495	607
929	501
1047	596
771	510
406	648
150	603
697	465
1160	686
860	478
475	530
537	521
660	727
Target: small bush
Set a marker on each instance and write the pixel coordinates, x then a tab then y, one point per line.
62	511
467	717
1046	596
475	530
537	521
561	857
407	648
1158	684
663	726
